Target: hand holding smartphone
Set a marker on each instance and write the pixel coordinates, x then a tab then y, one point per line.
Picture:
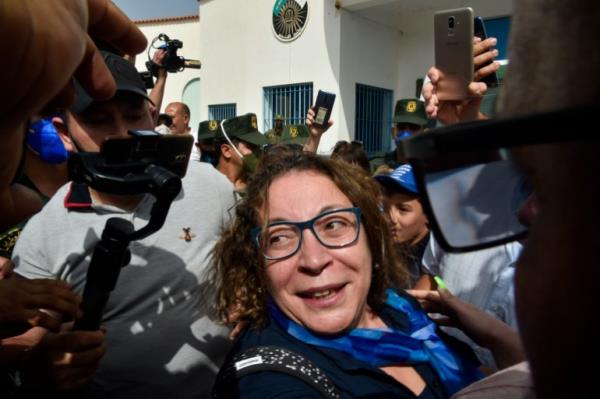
490	80
453	33
323	107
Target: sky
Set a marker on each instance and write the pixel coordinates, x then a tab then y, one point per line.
150	9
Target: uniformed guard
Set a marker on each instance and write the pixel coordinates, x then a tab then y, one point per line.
409	118
274	135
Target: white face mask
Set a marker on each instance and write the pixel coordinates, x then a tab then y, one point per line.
229	141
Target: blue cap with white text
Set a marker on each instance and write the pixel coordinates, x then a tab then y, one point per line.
402	177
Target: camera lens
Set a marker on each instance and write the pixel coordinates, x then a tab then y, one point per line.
451	22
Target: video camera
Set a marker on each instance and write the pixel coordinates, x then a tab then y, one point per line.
172	62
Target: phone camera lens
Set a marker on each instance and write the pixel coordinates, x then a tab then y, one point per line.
451	22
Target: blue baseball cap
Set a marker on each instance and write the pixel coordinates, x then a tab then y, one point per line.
402	178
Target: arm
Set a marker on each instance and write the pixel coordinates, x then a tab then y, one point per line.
316	131
449	112
158	91
484	329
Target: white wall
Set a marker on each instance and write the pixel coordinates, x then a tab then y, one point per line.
241	55
188	33
338	48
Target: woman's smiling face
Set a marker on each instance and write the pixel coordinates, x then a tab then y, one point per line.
320	288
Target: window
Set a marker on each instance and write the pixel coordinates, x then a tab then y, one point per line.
373	121
221	111
290	101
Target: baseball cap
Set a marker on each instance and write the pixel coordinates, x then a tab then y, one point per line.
209	129
401	178
295	134
410	111
126	77
244	128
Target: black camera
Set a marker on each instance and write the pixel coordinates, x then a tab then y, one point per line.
172	62
451	22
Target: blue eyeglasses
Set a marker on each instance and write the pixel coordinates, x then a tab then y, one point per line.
337	228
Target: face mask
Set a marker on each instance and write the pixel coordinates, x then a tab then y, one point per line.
250	162
43	139
401	136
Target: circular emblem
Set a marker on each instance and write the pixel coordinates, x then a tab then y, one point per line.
293	132
253	122
411	106
289	19
213	125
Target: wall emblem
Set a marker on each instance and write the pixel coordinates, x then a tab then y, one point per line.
289	19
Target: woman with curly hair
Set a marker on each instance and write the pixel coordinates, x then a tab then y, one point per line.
308	265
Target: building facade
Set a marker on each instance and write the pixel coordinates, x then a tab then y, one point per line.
271	57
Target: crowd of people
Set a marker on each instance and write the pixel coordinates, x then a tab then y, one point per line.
282	273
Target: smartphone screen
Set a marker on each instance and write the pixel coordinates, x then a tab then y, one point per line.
453	35
479	31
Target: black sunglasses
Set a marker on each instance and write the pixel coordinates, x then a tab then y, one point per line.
470	188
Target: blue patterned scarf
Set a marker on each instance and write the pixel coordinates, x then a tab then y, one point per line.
381	348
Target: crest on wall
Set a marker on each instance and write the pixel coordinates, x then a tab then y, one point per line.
289	19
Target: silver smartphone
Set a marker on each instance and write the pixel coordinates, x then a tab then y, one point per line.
453	35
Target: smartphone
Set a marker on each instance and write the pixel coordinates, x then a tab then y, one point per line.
453	35
132	154
479	31
323	107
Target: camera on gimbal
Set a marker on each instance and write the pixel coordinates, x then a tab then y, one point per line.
172	62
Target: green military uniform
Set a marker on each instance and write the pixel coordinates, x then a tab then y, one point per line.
408	111
273	135
295	134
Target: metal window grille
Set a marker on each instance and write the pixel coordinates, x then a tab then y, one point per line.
290	101
373	117
221	111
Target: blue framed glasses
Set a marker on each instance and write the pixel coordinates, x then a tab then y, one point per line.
337	228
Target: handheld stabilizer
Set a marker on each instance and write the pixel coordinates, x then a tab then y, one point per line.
142	175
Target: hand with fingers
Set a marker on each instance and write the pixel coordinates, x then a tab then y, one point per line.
486	330
51	39
63	362
450	112
36	303
315	130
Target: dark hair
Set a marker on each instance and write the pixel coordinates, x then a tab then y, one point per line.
239	267
352	153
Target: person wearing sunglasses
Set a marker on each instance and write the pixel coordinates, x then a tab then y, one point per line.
308	264
556	276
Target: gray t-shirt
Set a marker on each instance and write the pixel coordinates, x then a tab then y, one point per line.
160	340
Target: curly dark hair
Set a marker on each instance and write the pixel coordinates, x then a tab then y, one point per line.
238	270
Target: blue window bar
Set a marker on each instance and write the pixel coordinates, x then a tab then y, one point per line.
373	118
221	111
290	101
